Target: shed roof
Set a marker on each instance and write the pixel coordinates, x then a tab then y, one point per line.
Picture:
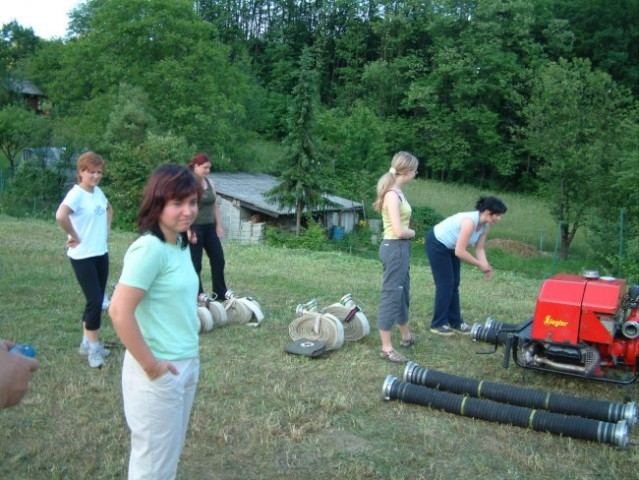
24	87
250	189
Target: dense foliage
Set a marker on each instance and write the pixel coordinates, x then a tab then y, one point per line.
501	94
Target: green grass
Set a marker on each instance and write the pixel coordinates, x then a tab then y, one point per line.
262	414
527	220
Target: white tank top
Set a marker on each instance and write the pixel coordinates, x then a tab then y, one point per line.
447	231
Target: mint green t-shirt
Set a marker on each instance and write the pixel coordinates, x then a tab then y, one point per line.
167	314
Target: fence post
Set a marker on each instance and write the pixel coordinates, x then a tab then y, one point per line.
555	254
621	230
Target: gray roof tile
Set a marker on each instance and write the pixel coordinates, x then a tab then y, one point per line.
250	189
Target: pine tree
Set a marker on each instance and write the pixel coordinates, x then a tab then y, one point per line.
302	181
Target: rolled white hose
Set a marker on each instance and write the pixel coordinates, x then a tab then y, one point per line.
220	318
255	307
237	312
355	323
318	326
243	311
206	319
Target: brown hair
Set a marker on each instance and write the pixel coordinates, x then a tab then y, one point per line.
88	160
199	159
166	183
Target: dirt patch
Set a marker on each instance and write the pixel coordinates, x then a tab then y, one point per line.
514	247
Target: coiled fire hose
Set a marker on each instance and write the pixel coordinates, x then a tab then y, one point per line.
243	310
210	313
353	320
572	426
314	325
525	397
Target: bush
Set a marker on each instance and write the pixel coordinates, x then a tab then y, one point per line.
605	239
423	219
630	263
312	237
33	192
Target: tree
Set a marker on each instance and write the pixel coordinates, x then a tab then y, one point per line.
606	33
575	126
613	225
302	183
129	168
16	43
17	130
470	98
163	48
130	119
355	142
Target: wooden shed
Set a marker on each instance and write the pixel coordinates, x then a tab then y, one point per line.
245	210
31	95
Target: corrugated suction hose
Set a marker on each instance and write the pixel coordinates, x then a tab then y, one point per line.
572	426
554	402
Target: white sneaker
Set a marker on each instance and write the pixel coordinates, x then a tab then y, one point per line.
84	350
464	329
95	358
106	302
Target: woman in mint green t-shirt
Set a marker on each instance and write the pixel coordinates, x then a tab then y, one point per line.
154	311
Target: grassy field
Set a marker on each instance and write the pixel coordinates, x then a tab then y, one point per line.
263	414
528	219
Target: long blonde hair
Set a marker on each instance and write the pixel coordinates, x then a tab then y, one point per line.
401	164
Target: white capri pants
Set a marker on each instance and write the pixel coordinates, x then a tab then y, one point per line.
157	412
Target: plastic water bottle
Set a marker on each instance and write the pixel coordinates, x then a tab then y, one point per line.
24	349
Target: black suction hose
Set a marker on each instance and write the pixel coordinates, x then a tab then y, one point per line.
577	427
479	333
554	402
493	324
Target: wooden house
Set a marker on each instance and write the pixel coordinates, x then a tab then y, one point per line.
31	95
245	209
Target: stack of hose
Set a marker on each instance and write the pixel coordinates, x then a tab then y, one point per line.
353	320
311	324
210	313
243	310
561	414
339	322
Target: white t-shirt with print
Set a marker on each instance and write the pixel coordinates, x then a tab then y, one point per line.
89	219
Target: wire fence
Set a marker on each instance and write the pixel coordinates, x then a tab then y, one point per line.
4	178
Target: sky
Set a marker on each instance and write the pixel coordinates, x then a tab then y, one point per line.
48	18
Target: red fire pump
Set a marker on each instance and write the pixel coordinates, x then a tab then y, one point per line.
586	326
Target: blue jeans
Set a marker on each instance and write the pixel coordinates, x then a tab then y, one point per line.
446	268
